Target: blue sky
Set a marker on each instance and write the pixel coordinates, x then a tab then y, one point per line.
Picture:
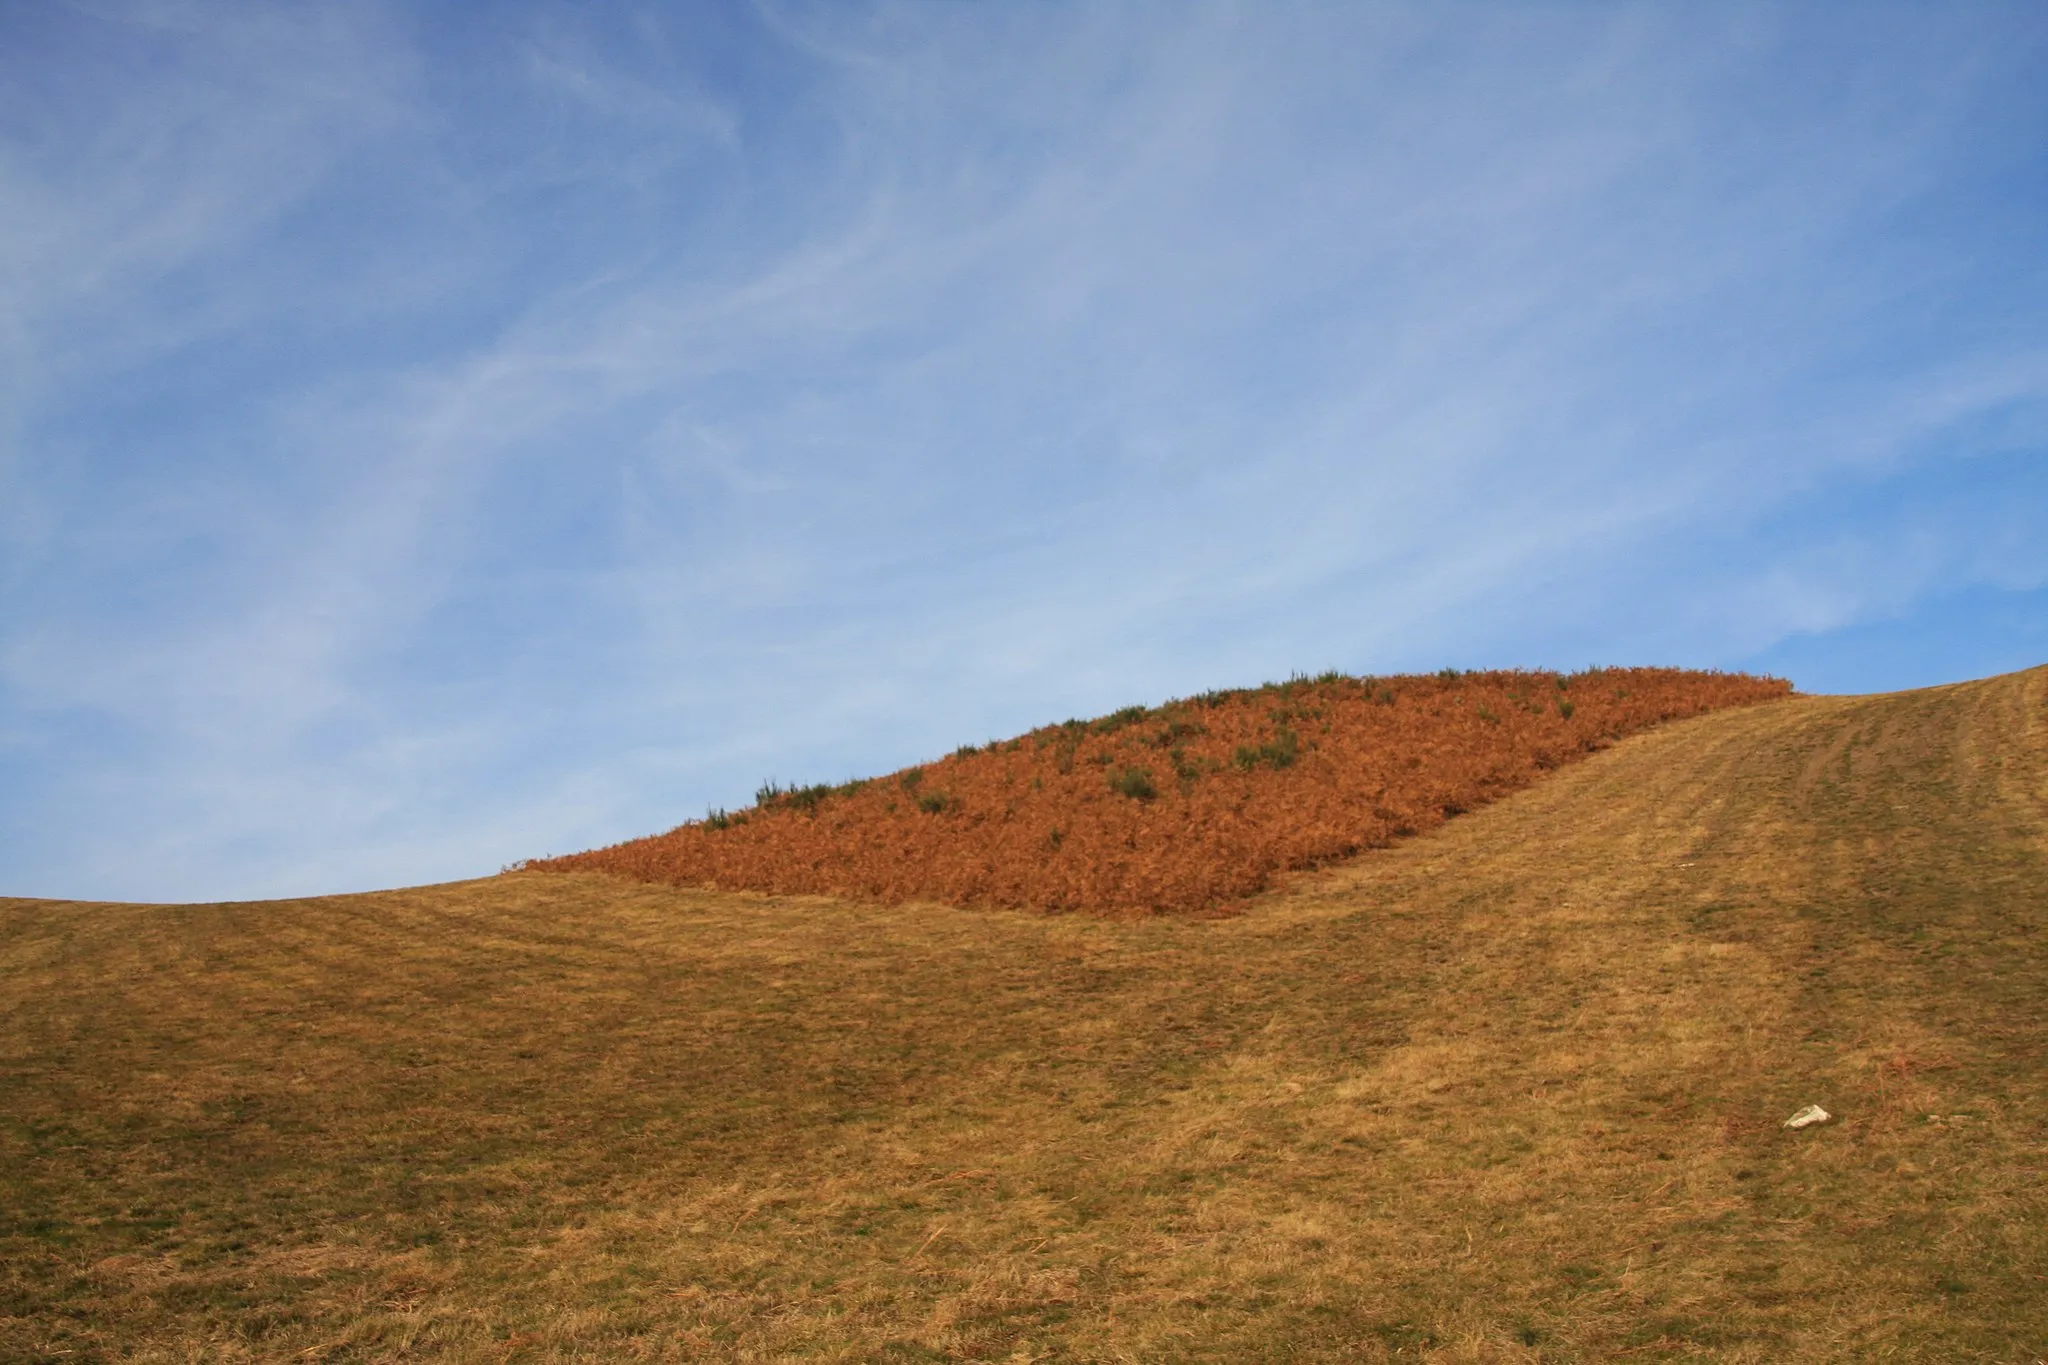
434	435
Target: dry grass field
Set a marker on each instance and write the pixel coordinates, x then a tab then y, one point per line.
1510	1091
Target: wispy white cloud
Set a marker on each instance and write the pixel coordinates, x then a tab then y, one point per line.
447	443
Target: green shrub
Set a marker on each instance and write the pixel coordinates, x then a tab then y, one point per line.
1178	730
1118	719
1278	752
1135	783
808	799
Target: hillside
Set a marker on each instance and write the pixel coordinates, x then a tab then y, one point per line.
1185	807
1511	1090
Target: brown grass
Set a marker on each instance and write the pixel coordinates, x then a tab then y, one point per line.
1510	1091
1181	808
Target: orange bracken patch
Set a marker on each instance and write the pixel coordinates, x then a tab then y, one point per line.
1183	808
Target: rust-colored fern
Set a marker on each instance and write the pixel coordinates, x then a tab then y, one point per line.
1185	807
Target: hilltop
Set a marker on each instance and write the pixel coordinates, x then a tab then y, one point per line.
1509	1090
1185	807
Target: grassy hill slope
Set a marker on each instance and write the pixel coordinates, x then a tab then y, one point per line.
1509	1091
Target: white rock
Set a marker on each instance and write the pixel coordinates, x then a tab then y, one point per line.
1811	1114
